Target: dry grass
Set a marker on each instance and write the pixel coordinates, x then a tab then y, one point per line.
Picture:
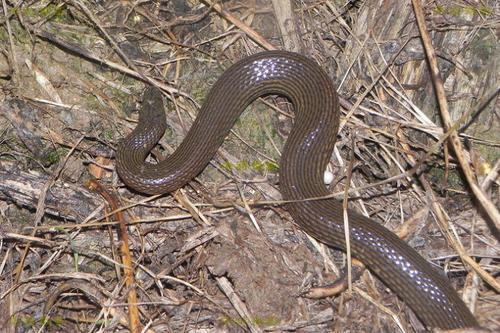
71	74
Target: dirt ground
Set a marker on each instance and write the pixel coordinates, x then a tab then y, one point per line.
222	254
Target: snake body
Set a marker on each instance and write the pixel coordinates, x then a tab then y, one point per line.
303	162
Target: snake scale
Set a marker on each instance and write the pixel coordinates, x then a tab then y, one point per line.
303	162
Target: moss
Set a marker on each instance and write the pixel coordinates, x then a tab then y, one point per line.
454	181
51	12
250	127
490	153
109	134
52	157
483	47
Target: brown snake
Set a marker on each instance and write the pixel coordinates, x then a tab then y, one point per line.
303	162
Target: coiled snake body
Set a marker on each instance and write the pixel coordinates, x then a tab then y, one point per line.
303	162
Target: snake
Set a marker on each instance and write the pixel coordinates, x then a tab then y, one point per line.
306	153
